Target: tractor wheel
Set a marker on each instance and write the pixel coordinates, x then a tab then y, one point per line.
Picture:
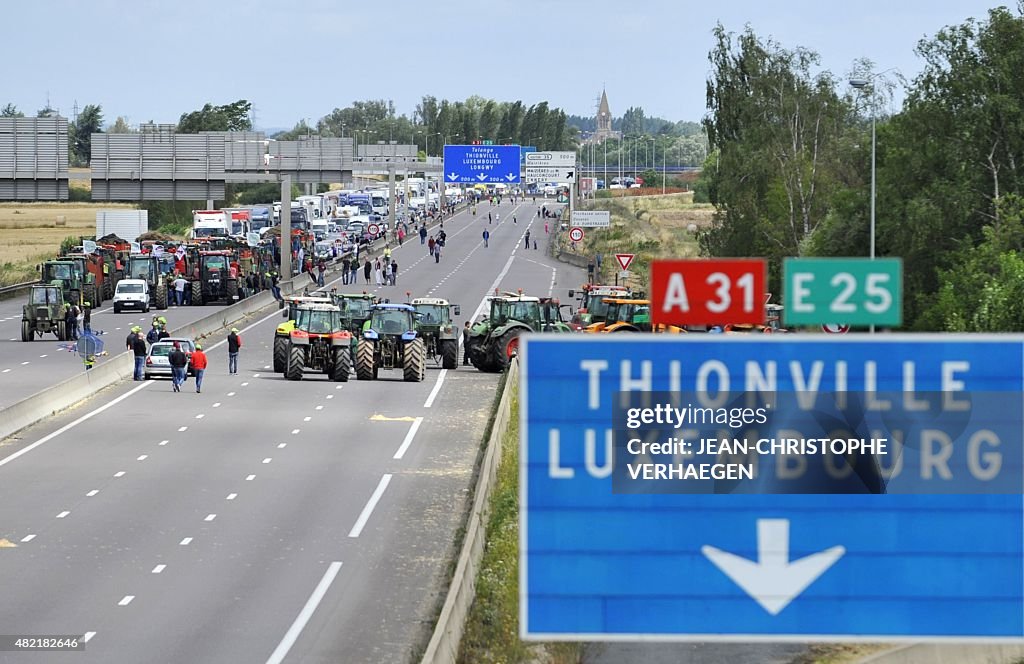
296	358
231	290
26	331
280	354
89	293
366	368
449	354
61	330
160	295
108	289
341	365
414	365
197	293
508	345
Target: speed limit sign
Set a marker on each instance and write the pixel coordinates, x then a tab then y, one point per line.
373	229
576	234
833	328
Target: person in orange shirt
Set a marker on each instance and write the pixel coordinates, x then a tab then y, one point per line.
199	365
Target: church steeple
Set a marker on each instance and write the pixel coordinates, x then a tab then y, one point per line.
604	115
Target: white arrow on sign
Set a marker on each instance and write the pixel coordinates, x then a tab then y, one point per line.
773	581
510	177
453	176
482	177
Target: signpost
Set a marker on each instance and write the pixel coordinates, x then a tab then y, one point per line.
576	234
601	564
549	160
847	291
482	164
551	174
708	292
592	218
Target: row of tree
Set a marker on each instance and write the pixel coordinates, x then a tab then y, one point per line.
790	167
88	122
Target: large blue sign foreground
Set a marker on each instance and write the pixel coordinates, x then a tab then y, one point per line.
604	564
482	164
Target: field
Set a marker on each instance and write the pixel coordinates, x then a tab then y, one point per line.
651	227
32	232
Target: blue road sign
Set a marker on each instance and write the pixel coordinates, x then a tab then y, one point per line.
600	564
522	153
482	164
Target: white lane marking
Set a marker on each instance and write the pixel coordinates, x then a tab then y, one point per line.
182	428
256	375
119	473
216	405
292	635
159	568
364	516
295	431
408	438
281	446
92	493
28	538
329	396
200	416
437	388
210	517
306	419
63	514
24	363
338	387
231	496
41	356
6	370
267	367
88	636
244	384
163	442
250	478
185	542
319	408
267	460
231	394
126	600
142	457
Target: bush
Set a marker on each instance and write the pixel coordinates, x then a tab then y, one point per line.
79	195
603	193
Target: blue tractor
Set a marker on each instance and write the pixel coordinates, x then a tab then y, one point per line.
389	340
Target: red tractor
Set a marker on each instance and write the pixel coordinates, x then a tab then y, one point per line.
213	275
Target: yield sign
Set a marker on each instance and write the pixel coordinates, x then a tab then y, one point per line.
624	260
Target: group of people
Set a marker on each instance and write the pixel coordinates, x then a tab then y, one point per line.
77	318
178	359
436	243
385	271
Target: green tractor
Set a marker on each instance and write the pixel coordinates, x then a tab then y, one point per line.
69	276
283	333
390	341
355	309
44	313
438	331
319	342
147	268
495	340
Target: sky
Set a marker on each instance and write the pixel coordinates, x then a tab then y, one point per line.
300	59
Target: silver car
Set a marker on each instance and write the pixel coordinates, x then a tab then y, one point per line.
157	362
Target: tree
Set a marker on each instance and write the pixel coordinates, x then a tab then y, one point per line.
89	122
120	126
11	111
46	112
230	117
633	122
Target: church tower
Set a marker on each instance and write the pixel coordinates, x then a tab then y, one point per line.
604	118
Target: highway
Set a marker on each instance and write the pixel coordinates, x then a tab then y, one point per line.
262	520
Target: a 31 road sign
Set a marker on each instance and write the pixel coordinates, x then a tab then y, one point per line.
482	164
550	160
602	564
848	291
708	292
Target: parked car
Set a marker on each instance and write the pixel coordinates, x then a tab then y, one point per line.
131	294
157	363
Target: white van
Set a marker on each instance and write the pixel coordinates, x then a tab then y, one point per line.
131	294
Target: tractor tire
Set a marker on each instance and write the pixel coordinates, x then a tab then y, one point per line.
280	354
508	345
108	289
296	360
366	368
414	366
197	293
89	294
341	365
231	290
61	330
160	295
449	354
26	331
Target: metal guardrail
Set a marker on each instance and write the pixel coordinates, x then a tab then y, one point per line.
14	288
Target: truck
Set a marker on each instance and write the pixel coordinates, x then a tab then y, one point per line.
314	206
239	220
209	223
379	202
125	224
362	201
259	218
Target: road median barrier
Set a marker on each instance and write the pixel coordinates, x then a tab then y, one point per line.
443	647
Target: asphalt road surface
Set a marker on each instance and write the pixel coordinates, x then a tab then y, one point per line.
262	520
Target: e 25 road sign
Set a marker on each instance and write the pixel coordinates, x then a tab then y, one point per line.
845	291
708	292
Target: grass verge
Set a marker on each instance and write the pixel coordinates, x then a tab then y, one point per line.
840	653
492	628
